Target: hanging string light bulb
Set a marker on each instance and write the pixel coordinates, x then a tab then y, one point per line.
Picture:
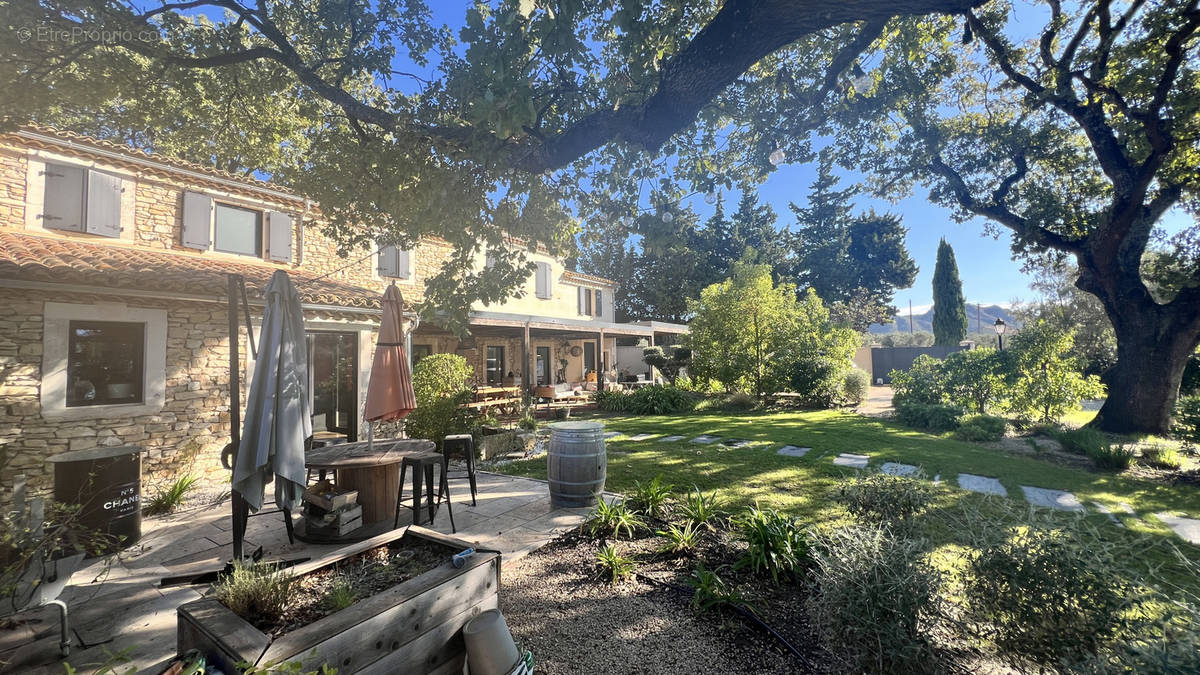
860	80
667	217
710	197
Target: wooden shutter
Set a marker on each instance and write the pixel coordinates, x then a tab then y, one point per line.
104	204
279	238
599	302
581	293
542	280
197	220
403	264
62	203
388	263
489	261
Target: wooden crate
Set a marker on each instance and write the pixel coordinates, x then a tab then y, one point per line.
415	627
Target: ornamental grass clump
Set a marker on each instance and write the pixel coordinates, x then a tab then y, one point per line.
703	510
777	544
874	601
1162	457
650	499
610	520
881	497
614	565
255	591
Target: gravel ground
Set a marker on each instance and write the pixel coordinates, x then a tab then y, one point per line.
575	623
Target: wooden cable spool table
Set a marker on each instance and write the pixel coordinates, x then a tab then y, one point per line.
373	470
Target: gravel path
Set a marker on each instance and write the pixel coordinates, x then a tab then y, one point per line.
574	623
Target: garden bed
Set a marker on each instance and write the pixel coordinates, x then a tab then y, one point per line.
392	603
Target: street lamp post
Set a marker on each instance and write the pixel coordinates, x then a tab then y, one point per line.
999	326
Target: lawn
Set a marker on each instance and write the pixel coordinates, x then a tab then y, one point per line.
803	487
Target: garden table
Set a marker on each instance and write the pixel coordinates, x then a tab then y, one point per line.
374	470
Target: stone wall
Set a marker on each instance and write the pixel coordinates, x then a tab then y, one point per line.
186	436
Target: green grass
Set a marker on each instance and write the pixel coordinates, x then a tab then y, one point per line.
803	487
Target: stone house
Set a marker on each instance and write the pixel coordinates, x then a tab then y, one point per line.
114	330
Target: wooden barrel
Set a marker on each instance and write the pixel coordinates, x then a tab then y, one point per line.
577	464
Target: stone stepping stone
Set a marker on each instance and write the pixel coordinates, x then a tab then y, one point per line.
1052	499
611	434
1128	509
898	469
1188	529
988	486
641	437
705	439
937	480
1108	512
851	460
793	451
672	439
735	444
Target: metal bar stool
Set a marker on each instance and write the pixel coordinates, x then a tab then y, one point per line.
423	464
462	444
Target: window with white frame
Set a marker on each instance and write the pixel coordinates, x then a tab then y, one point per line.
237	230
395	263
211	225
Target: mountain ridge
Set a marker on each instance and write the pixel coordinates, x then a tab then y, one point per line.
980	319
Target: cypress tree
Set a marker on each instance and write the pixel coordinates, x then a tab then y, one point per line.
949	307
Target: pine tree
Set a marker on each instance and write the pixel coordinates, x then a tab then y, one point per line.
949	307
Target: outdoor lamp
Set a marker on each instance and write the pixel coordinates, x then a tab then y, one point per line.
1000	326
710	197
777	156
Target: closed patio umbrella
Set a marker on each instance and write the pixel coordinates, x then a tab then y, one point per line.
389	390
278	412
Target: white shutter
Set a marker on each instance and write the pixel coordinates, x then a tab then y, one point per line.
388	264
599	302
62	205
104	204
542	282
489	261
197	220
582	292
279	237
404	264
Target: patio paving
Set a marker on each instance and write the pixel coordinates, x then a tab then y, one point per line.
851	460
123	606
793	451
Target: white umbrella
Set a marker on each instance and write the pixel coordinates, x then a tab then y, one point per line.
278	414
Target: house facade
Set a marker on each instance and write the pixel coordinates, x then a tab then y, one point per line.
114	268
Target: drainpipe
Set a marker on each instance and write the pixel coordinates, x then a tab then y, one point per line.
303	217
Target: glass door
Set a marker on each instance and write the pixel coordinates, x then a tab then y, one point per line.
543	366
495	366
333	380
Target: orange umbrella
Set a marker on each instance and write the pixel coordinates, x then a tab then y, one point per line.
389	390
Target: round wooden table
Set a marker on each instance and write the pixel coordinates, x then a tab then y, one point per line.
373	470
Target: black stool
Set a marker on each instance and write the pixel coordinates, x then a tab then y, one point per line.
464	444
423	464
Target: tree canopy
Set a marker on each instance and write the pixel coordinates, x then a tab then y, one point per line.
949	306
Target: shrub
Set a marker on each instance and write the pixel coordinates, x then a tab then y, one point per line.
440	375
873	599
651	498
882	497
528	422
974	378
680	539
921	384
255	591
659	399
740	401
777	545
818	380
607	520
669	361
711	590
439	417
930	416
856	385
1112	457
1044	596
1186	424
612	400
614	565
1082	441
169	498
1162	457
1046	382
701	509
981	428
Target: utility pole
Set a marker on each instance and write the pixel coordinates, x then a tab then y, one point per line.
978	318
910	319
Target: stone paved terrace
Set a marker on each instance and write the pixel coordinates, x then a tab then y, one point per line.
124	607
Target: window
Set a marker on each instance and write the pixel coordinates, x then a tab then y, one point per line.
237	230
495	365
395	262
77	199
421	351
105	363
589	356
599	302
542	281
587	302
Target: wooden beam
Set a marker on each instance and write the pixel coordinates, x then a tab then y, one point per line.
526	372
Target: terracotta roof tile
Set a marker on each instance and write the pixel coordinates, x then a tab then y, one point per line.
29	257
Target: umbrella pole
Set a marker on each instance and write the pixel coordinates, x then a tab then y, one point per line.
240	509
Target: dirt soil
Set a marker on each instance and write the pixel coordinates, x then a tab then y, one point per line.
559	607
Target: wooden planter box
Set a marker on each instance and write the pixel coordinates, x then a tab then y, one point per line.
414	627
